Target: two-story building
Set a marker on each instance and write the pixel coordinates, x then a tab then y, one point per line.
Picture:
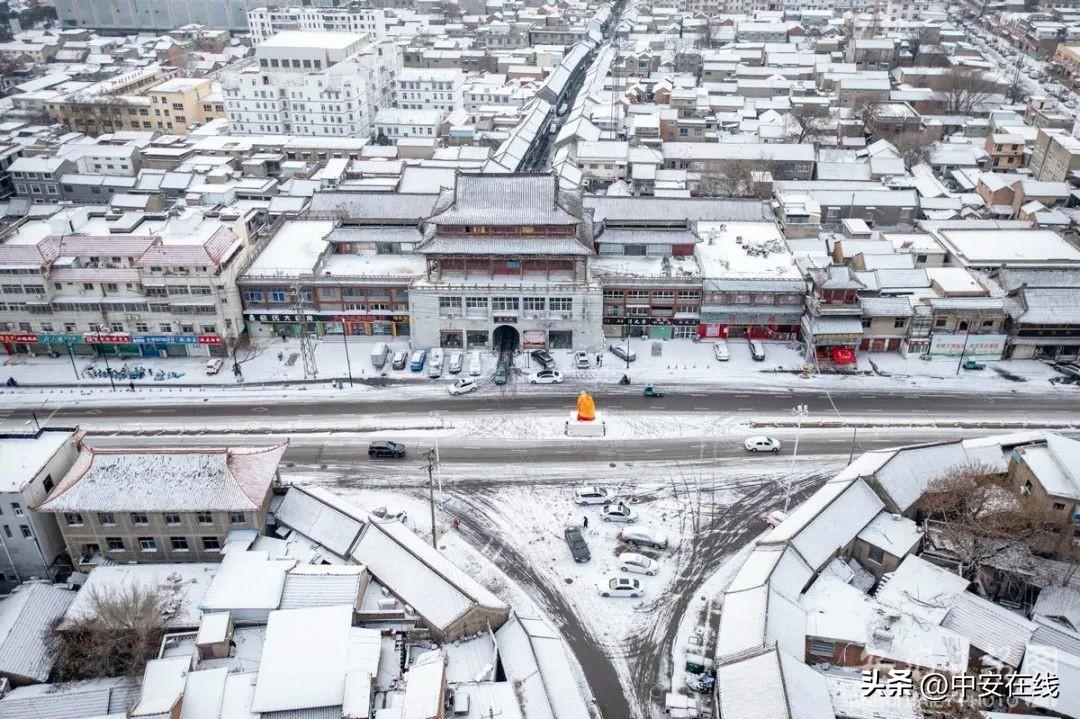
149	506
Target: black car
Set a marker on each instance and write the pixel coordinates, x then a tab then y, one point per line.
543	358
502	371
578	547
395	450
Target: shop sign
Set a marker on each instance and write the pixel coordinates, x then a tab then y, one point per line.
533	339
953	345
510	320
210	339
60	339
654	321
165	339
27	337
272	317
107	338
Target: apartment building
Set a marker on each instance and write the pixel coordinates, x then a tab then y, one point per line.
163	505
31	543
88	282
422	88
1056	155
311	83
179	103
136	15
264	22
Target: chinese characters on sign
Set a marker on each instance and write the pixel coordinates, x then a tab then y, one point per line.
939	686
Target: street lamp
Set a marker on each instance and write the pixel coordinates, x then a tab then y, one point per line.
799	412
438	464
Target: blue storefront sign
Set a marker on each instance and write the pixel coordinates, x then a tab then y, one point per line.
69	338
166	340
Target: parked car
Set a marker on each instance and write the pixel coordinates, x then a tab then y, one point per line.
644	537
455	363
579	548
543	358
757	350
213	365
379	352
720	351
401	358
502	371
435	363
593	495
581	360
462	386
386	448
476	364
618	512
546	376
620	587
762	443
638	564
626	355
974	364
419	357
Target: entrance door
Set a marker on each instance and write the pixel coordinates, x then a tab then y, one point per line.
506	337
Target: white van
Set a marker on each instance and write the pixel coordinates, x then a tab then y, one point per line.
435	363
757	350
379	353
476	364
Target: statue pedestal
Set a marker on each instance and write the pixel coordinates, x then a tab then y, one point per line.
577	428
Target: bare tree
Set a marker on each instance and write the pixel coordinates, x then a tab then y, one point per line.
117	634
734	179
978	520
914	146
964	88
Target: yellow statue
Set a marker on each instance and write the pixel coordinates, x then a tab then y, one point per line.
586	407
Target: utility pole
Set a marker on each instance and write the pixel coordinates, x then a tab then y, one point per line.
108	370
307	348
799	412
851	454
345	340
963	351
431	462
438	463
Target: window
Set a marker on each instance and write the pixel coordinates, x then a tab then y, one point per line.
876	555
48	483
25	529
147	544
822	648
114	544
172	519
16	509
253	295
211	544
940	323
277	295
236	518
1059	506
448	305
7	531
178	544
899	322
561	304
106	518
204	518
139	519
504	303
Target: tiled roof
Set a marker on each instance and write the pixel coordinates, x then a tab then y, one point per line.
26	618
508	199
181	480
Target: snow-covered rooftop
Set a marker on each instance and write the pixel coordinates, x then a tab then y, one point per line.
754	250
183	587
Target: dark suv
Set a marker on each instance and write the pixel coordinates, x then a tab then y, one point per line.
395	450
543	358
578	547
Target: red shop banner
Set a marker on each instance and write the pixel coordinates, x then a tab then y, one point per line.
27	337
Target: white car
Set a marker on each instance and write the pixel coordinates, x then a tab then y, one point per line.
720	351
475	363
213	365
435	363
638	564
620	587
593	495
618	512
762	444
462	386
581	360
546	376
644	537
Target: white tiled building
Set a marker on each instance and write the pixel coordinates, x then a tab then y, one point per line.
267	21
421	88
311	83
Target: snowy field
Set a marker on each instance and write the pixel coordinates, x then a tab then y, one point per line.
680	362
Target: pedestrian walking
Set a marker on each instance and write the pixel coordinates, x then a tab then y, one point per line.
584	522
131	386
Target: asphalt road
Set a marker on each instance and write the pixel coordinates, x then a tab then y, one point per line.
1064	404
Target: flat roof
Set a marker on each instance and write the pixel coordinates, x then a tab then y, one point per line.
326	40
989	247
